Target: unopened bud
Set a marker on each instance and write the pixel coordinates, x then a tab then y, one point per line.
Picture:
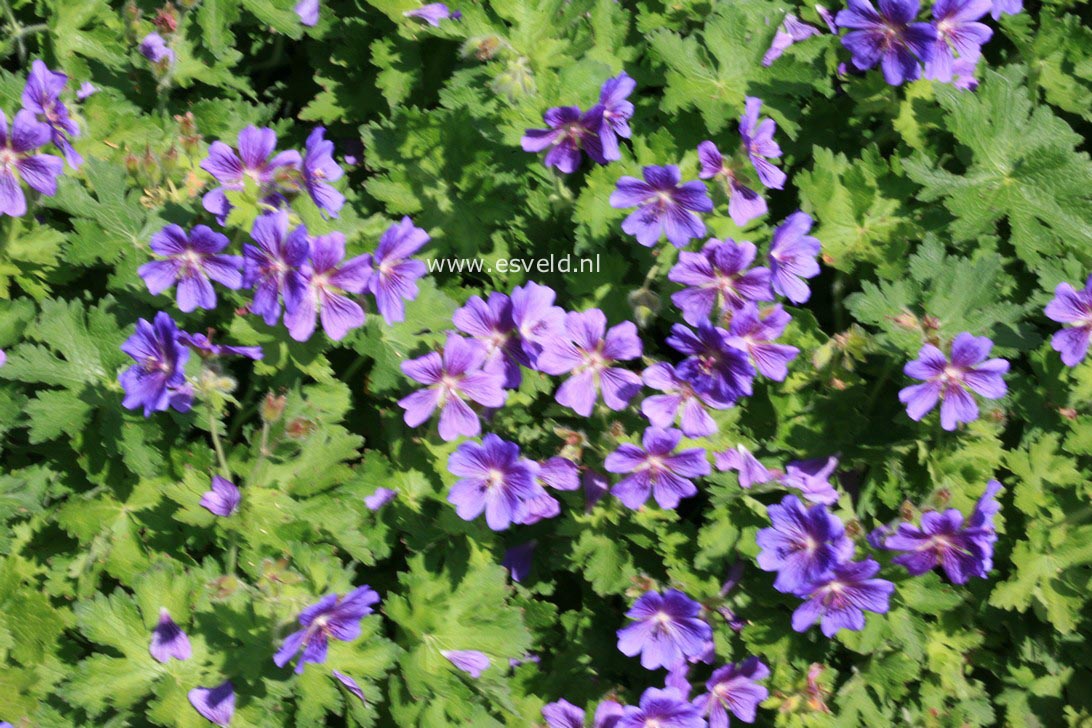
273	407
299	428
907	320
166	20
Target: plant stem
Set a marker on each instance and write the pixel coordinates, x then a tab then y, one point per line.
214	432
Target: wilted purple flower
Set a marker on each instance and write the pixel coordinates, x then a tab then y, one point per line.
536	318
223	499
18	162
614	111
889	37
792	30
1070	306
734	688
254	162
319	169
718	371
86	91
956	32
664	207
168	640
812	478
332	616
751	471
570	133
326	278
380	498
157	380
308	12
665	708
827	18
667	629
42	97
793	257
755	332
596	486
802	544
744	204
1005	7
394	274
191	261
495	478
587	350
455	375
840	599
490	323
981	520
155	49
656	469
718	277
949	381
272	267
350	684
472	662
518	560
679	399
559	473
216	705
204	347
759	144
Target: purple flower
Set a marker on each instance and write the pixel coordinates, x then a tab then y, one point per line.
719	276
332	616
656	469
455	375
889	37
191	261
155	49
168	640
494	478
319	169
255	161
679	399
801	545
18	162
963	73
792	30
614	111
792	257
942	540
308	12
1005	7
394	274
981	519
755	333
86	91
718	371
472	662
956	32
433	13
667	629
751	471
744	204
204	347
1070	306
272	268
326	275
157	380
840	599
559	473
812	479
42	97
570	133
216	705
759	144
380	498
3	358
518	560
224	498
349	684
491	324
665	708
587	350
664	207
949	381
734	688
539	507
596	486
563	714
536	318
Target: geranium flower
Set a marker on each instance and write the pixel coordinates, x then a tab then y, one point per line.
331	617
666	629
664	206
950	381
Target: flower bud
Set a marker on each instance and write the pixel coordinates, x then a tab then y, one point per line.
273	407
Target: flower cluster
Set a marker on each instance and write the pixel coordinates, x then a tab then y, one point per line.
573	133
